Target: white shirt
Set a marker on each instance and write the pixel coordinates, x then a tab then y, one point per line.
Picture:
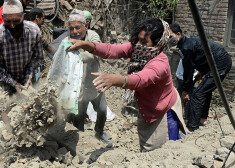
180	71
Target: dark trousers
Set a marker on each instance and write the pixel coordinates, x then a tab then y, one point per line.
180	90
200	99
100	106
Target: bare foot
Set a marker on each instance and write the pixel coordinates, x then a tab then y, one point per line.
203	121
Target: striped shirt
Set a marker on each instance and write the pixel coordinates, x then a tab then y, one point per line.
20	57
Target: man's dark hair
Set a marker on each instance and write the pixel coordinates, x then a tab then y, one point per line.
150	26
35	12
175	28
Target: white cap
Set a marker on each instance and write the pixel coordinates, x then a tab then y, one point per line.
12	7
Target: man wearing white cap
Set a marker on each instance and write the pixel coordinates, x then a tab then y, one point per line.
88	93
20	51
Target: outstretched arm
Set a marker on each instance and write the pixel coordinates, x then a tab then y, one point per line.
105	81
79	44
103	50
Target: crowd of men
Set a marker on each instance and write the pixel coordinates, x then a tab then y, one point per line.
21	53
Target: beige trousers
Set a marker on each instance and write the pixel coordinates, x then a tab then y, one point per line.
154	135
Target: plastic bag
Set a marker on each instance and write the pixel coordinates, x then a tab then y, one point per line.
67	71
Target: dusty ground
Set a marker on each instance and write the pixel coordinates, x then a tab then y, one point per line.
66	147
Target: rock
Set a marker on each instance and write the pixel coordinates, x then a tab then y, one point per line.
50	120
33	164
227	142
68	159
217	164
62	151
37	101
11	159
56	164
127	126
221	153
52	152
108	163
46	164
113	34
40	140
62	155
75	161
52	144
203	161
23	160
44	155
6	135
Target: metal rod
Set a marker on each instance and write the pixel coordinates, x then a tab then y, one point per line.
210	59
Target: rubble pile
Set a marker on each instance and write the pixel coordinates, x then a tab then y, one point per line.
33	113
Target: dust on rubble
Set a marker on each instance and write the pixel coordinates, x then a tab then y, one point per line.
32	113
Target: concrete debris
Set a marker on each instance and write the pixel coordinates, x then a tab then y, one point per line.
227	142
6	135
33	115
52	144
217	164
204	161
221	153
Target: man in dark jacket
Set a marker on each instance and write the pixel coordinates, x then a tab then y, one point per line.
193	57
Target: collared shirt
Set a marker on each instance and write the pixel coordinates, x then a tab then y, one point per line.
154	90
20	57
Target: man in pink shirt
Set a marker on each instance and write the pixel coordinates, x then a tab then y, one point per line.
149	79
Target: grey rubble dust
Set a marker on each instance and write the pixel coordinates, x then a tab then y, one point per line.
32	114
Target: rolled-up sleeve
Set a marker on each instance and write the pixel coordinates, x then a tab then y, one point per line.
112	51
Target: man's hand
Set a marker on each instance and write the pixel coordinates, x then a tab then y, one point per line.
27	84
19	87
185	97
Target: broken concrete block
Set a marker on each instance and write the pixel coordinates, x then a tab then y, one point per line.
37	101
222	151
6	135
227	142
203	161
217	164
113	34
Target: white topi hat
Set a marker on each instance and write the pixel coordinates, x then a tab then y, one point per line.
12	7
